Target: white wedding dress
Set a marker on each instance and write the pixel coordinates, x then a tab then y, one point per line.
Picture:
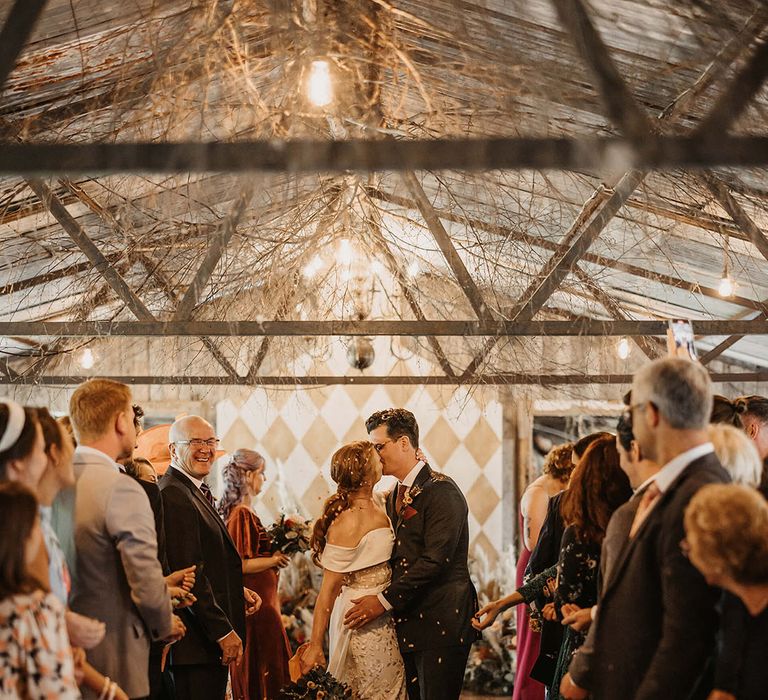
367	659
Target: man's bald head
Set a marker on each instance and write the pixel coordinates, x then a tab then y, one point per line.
183	428
193	445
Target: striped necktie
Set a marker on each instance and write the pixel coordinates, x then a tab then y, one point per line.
208	495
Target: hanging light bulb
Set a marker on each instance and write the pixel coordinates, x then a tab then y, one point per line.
87	360
726	287
319	87
622	348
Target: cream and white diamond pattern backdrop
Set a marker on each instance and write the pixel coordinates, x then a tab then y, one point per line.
298	430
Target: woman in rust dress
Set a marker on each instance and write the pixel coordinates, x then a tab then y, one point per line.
263	670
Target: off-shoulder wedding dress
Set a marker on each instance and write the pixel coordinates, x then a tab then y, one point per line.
367	659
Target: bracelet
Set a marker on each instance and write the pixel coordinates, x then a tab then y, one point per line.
112	691
104	689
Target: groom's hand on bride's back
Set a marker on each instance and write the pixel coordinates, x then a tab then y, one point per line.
363	610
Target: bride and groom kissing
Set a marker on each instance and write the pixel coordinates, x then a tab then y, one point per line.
396	594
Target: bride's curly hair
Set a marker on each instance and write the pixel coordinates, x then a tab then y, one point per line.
352	466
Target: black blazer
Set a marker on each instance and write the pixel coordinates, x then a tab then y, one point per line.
657	618
156	503
432	596
195	534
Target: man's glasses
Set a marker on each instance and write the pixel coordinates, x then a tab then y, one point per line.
379	446
198	444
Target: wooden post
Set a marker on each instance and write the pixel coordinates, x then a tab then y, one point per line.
517	443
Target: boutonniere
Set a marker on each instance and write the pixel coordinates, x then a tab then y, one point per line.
409	512
410	494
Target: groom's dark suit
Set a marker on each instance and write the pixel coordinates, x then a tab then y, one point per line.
431	594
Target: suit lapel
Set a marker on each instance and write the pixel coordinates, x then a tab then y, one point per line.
655	513
421	478
203	501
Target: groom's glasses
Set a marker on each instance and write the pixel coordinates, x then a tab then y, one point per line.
379	446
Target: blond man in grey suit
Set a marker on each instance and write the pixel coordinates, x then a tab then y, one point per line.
118	578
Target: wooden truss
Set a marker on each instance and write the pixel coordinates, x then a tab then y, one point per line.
646	143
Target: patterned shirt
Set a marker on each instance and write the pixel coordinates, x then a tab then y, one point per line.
35	656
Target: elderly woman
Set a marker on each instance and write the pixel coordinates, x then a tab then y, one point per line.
264	666
726	530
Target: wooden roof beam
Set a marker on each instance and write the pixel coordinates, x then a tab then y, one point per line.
364	155
213	255
623	109
242	328
89	249
15	33
532	379
744	86
444	242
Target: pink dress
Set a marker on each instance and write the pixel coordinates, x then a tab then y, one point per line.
527	640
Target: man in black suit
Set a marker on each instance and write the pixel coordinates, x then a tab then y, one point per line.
656	619
431	595
196	535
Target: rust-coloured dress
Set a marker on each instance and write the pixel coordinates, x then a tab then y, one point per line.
264	668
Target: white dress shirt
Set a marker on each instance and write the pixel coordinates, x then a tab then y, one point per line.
672	469
410	477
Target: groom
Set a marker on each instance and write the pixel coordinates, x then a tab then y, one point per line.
431	595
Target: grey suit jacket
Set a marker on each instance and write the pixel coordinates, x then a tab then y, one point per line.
118	576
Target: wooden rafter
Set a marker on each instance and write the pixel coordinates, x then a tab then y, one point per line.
395	268
363	155
89	249
242	328
630	117
53	275
737	96
446	246
623	109
15	33
149	265
363	380
649	348
600	260
216	249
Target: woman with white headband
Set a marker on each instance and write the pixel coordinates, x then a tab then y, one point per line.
22	446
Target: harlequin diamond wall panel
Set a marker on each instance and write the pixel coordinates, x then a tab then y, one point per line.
298	430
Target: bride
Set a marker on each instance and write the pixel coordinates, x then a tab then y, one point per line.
352	541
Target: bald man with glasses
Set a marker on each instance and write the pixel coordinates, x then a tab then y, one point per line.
196	534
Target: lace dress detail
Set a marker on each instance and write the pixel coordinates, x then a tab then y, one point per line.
367	659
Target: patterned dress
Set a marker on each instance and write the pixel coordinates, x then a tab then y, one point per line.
577	574
35	656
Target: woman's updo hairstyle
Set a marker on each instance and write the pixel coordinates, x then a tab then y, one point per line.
725	411
22	446
352	466
233	474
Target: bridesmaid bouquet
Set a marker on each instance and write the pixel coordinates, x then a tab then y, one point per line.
290	534
316	684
